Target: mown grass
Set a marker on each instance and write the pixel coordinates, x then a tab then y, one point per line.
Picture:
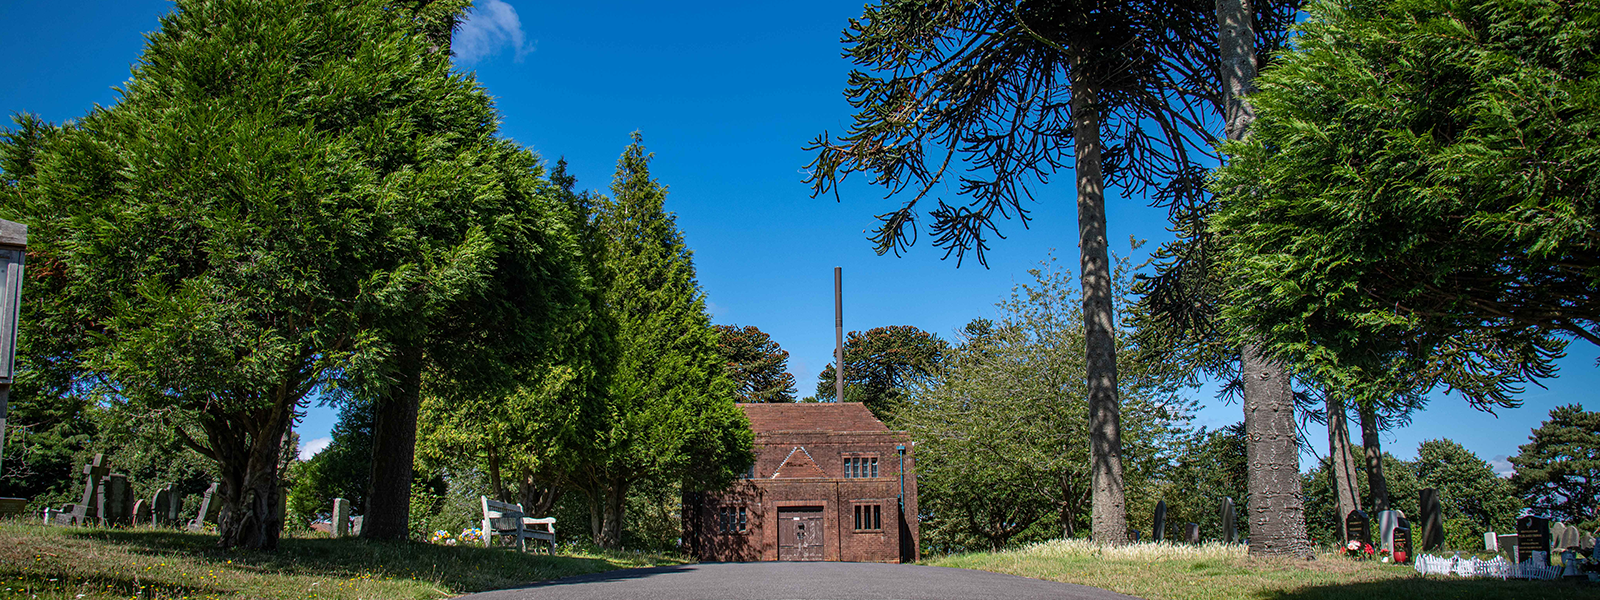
1216	571
71	563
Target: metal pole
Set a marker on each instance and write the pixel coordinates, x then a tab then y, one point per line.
902	450
838	334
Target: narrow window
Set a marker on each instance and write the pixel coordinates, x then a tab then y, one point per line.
874	466
877	516
858	517
741	520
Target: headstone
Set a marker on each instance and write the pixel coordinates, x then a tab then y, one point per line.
1491	542
1587	541
1533	535
1133	535
1230	520
1569	563
85	511
1159	531
1507	542
207	512
116	501
341	517
1387	521
1402	541
1432	519
1191	533
1568	539
68	515
1358	527
175	513
355	527
161	507
141	513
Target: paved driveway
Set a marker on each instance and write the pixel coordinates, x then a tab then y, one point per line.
799	581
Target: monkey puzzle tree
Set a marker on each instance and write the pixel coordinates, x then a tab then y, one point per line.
880	363
757	365
1019	91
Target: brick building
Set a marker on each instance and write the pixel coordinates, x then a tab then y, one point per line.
826	486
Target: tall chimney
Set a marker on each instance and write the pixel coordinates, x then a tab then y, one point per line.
838	335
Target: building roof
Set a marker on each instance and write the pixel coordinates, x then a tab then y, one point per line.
811	416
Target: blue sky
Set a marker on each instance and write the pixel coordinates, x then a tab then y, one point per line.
725	94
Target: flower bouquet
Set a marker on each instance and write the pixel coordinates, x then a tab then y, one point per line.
471	536
1383	556
1356	549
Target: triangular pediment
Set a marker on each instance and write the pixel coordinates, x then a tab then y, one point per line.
798	465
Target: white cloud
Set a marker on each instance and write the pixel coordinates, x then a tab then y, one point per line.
1502	466
311	448
489	29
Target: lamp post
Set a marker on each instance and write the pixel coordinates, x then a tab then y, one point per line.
13	249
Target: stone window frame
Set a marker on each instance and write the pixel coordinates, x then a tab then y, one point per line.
868	461
870	514
732	519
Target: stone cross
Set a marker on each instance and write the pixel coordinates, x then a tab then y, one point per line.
1230	520
341	517
1191	533
1159	531
206	511
86	507
1432	519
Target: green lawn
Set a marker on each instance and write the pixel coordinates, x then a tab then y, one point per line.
59	562
1177	572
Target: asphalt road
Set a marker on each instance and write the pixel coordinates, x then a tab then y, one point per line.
799	581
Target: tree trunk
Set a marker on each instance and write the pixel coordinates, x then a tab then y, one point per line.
538	500
616	497
394	446
1372	447
1109	514
247	447
1276	504
1341	464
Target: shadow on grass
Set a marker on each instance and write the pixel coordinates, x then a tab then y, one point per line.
25	585
460	569
1443	588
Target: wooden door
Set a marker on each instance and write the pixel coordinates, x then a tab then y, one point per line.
800	534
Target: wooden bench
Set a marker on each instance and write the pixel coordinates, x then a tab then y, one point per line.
501	518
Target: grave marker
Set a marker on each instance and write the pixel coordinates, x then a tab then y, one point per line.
341	517
1402	541
116	501
1358	527
161	507
1230	518
1387	521
1491	542
1159	531
1533	535
85	509
1507	542
1568	539
1191	533
141	513
1432	519
207	510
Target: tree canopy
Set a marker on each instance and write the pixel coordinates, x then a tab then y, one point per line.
1558	470
1415	205
880	363
758	366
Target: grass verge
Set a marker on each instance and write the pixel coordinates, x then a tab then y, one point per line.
61	562
1216	572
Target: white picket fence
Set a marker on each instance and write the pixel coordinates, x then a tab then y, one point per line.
1496	567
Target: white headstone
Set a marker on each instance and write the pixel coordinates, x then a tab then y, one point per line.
1491	542
1388	520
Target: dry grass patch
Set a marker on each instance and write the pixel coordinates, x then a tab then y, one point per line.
1163	571
71	563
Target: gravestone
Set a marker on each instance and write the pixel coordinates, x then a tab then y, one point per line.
1159	531
1491	542
208	510
116	501
1533	535
1507	542
85	511
1402	541
161	507
1556	528
68	515
141	513
1567	540
1230	518
1191	533
176	512
1587	541
1387	521
355	527
1133	535
1358	527
341	517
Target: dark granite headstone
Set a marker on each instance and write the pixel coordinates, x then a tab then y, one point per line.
1507	542
1191	533
1402	541
1533	535
1432	520
1230	521
116	501
1159	531
1358	526
161	507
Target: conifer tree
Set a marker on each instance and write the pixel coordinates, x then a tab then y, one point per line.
668	414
